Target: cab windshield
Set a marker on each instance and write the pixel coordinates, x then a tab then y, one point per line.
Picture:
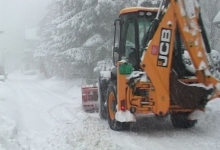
135	27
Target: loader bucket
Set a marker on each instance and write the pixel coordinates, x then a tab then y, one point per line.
186	96
90	98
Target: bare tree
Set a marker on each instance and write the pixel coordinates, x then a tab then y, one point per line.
209	9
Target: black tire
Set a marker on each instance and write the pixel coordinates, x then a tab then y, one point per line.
180	120
102	109
113	123
101	98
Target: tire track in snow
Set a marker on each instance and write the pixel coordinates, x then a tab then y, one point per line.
70	117
62	113
43	98
83	131
32	116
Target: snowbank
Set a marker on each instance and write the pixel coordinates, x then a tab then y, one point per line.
8	133
9	130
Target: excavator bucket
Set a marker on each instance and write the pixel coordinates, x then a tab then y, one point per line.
192	97
90	97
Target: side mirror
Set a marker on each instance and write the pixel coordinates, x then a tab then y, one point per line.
216	20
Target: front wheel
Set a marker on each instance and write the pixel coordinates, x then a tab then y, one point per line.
111	110
180	120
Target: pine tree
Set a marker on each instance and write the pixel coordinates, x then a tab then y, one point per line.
45	51
209	10
77	36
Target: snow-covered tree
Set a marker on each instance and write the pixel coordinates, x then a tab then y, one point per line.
46	50
59	34
77	36
209	10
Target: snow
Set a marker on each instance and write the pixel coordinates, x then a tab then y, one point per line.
217	18
210	86
94	40
196	3
169	23
217	86
199	54
124	116
144	78
190	9
8	127
105	74
135	74
188	62
138	75
104	65
215	56
39	114
182	10
207	72
196	115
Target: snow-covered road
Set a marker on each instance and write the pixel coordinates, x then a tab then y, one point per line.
40	114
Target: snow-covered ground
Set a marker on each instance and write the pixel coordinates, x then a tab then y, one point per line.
38	114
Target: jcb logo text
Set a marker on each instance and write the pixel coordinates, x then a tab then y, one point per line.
164	48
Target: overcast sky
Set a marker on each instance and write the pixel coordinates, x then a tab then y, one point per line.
15	17
18	14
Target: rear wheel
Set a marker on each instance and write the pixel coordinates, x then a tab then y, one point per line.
102	109
180	120
101	98
111	111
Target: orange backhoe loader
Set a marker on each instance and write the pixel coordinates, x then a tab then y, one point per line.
150	75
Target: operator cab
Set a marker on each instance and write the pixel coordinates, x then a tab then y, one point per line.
131	30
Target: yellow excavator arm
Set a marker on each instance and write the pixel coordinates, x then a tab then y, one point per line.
182	17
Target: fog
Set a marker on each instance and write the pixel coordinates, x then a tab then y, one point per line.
16	17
